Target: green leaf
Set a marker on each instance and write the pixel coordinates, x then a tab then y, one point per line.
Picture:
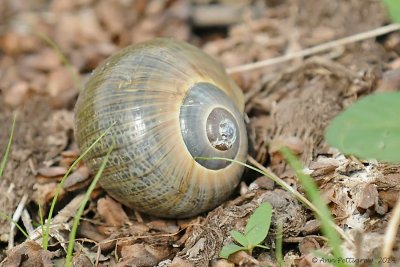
258	225
240	238
230	249
393	7
369	129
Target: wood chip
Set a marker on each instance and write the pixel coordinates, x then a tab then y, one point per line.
368	196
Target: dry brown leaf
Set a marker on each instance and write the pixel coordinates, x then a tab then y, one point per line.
18	42
107	230
29	254
166	226
77	179
179	262
311	227
61	88
390	81
68	157
241	258
308	245
141	255
111	212
262	182
109	14
46	60
138	228
222	263
88	230
81	260
292	142
367	197
52	171
17	94
44	193
389	197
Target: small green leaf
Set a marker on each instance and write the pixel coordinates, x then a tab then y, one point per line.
230	249
240	238
369	129
258	225
393	7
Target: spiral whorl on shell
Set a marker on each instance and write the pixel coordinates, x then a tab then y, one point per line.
170	103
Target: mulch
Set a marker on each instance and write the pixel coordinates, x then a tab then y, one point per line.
286	104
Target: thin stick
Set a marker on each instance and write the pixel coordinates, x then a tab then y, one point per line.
390	235
27	221
316	49
15	218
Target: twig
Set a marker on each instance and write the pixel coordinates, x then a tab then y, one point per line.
27	220
15	218
316	49
390	235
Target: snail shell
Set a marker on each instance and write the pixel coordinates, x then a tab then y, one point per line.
170	103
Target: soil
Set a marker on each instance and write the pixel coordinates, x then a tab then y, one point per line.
289	104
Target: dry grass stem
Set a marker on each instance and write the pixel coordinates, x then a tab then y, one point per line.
390	235
316	49
16	216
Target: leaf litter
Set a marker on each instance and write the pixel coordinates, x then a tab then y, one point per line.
287	104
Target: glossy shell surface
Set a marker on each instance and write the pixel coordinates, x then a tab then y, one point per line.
163	96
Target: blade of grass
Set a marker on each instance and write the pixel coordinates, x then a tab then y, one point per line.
41	220
61	184
9	144
324	214
262	170
78	215
2	214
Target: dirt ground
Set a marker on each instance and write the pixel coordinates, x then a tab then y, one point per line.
289	103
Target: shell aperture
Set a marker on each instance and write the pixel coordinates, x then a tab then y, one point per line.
208	127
